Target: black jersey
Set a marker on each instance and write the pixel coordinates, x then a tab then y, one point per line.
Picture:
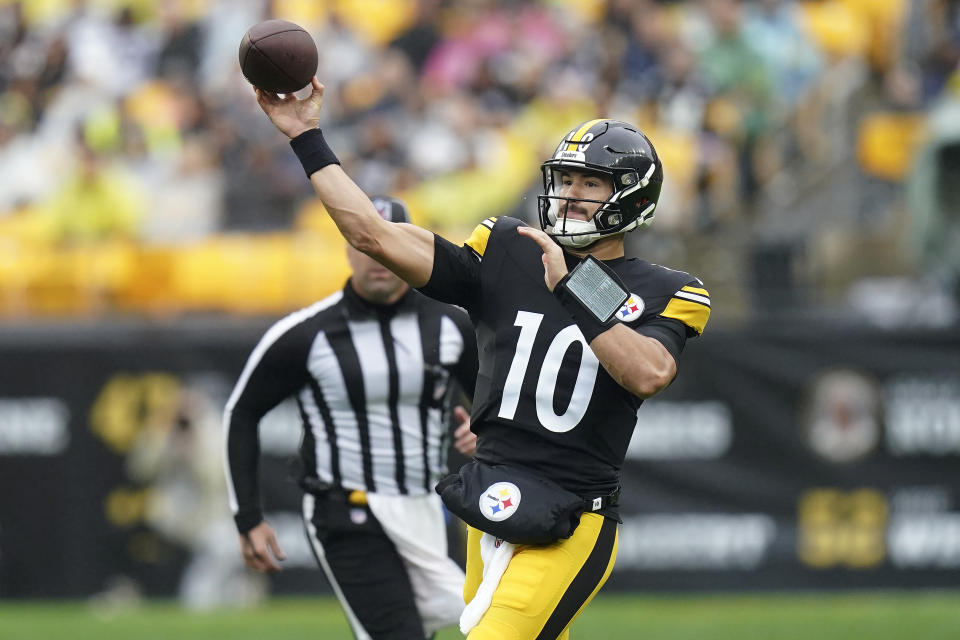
542	399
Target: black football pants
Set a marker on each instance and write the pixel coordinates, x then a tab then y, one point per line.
363	567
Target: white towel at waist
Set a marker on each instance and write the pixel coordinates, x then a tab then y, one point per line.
495	560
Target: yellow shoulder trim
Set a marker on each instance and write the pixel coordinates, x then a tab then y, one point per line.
702	292
480	236
692	314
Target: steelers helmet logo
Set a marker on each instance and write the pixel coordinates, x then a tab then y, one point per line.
631	309
500	501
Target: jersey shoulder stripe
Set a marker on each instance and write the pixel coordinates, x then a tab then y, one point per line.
691	306
695	294
480	236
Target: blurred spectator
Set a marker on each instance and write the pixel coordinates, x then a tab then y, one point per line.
102	201
647	41
113	53
187	202
933	197
888	135
774	27
755	107
932	41
422	35
13	38
54	70
742	90
181	43
263	189
343	57
224	22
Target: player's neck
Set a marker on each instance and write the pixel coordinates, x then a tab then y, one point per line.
609	248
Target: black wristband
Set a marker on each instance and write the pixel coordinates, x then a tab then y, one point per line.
313	151
596	313
246	520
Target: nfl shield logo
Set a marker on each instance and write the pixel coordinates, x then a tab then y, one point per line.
358	516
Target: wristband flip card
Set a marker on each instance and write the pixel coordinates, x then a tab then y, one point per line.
595	289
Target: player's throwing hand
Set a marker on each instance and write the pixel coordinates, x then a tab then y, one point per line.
291	115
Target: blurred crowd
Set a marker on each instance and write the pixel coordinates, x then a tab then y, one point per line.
809	146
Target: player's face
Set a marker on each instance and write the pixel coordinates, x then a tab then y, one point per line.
372	281
580	185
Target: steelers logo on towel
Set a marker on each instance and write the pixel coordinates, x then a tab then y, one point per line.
631	309
500	501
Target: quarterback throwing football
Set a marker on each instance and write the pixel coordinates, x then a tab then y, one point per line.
572	337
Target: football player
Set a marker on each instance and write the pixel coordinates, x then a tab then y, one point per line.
572	337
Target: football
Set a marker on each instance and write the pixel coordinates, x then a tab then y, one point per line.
278	56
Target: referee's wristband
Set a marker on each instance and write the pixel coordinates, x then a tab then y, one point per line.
591	293
313	151
247	520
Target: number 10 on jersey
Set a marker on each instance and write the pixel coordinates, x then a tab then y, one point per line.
529	324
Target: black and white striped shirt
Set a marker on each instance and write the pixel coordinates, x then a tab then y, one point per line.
371	383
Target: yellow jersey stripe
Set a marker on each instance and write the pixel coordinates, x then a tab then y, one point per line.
575	138
480	236
702	292
692	314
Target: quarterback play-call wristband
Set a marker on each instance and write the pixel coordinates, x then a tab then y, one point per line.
591	293
313	151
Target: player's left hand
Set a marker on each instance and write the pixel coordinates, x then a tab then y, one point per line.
464	440
554	266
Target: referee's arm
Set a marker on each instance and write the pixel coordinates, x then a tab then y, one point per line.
275	370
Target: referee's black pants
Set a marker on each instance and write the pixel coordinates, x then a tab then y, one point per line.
363	566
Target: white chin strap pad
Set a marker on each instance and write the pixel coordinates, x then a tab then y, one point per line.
587	228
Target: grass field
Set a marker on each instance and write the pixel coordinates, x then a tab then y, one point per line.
884	616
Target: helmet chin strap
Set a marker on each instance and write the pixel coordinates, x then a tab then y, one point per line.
585	227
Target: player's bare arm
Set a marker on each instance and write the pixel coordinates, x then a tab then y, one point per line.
639	364
405	249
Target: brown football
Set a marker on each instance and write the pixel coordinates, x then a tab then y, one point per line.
278	56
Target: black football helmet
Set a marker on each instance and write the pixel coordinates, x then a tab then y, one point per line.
617	150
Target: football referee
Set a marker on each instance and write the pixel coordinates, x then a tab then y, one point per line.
372	368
